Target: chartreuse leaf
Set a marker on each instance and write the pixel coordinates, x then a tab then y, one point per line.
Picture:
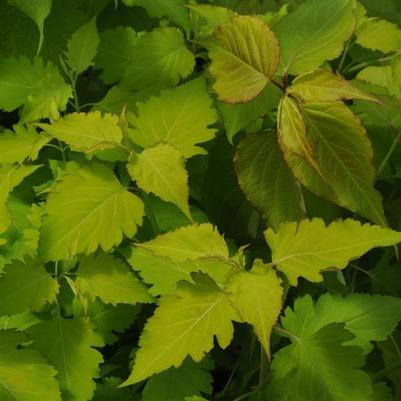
37	288
318	364
184	325
24	373
344	156
67	345
326	86
85	132
314	33
378	34
160	58
175	384
35	85
82	47
37	10
266	180
182	119
245	55
307	248
189	242
88	209
256	295
23	143
161	170
111	280
164	273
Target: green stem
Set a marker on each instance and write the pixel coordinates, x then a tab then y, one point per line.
389	153
344	56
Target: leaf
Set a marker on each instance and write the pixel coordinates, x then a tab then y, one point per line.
161	57
67	345
38	11
164	273
161	170
23	143
318	361
325	86
256	295
82	47
245	55
183	325
179	117
85	132
307	248
314	33
109	390
175	384
266	179
26	286
88	209
24	373
344	155
111	280
189	242
36	86
378	34
115	53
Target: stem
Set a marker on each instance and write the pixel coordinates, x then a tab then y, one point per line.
389	153
285	333
278	84
344	55
74	91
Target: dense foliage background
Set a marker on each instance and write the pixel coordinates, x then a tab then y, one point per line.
200	200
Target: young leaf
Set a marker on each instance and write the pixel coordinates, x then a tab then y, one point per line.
85	132
111	280
175	384
82	47
37	86
24	373
190	242
88	209
256	295
161	170
161	58
184	325
179	116
37	289
307	248
245	55
325	86
67	345
266	180
314	33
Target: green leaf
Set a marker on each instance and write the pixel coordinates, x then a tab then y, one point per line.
24	373
37	10
115	53
307	248
190	242
179	116
82	47
245	55
26	286
85	132
183	325
266	180
317	364
344	156
88	209
109	390
24	143
161	57
325	86
161	170
256	295
67	345
36	86
175	384
111	280
314	33
164	273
